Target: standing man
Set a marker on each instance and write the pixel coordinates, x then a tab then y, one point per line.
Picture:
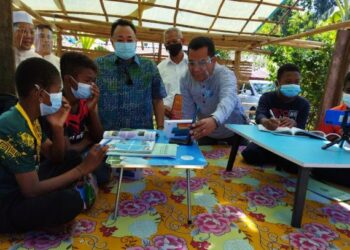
130	86
43	44
209	92
23	36
174	67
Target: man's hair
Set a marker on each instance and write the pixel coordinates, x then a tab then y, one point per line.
34	71
122	22
173	29
200	42
288	67
43	26
72	63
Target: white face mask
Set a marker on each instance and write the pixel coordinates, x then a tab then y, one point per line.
56	103
346	99
83	91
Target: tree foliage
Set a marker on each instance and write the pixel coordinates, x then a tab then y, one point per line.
313	63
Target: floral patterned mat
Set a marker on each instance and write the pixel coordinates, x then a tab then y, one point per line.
248	208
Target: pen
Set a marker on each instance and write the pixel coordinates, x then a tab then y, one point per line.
104	143
272	114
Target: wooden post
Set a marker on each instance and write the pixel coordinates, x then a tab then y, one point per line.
238	65
59	43
7	63
159	52
337	72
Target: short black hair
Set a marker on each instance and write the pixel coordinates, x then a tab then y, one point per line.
288	67
34	71
73	62
122	22
43	26
200	42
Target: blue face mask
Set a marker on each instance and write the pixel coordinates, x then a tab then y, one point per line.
83	91
346	99
290	90
56	103
125	50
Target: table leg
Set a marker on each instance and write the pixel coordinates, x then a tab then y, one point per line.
299	196
233	153
116	208
188	176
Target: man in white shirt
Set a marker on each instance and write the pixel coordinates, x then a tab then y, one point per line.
174	67
23	36
43	44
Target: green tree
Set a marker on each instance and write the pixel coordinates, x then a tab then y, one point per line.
314	63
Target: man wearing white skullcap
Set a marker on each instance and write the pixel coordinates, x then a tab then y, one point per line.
43	43
23	36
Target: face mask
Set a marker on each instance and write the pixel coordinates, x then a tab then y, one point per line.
290	90
83	91
56	103
125	50
174	49
346	99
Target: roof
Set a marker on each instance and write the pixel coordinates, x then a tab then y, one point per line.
232	24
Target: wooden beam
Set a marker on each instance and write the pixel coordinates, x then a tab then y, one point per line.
176	11
216	16
283	18
159	52
184	10
251	16
140	11
57	16
270	4
104	10
59	43
7	64
331	27
238	64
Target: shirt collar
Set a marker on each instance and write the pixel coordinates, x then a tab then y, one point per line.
119	61
184	59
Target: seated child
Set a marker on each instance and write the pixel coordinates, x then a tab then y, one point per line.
82	127
339	176
28	200
288	110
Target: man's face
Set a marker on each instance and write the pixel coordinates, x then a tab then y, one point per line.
123	34
289	77
23	36
200	64
85	75
172	38
43	41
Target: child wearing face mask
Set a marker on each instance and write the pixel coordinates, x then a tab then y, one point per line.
281	108
339	176
30	197
82	127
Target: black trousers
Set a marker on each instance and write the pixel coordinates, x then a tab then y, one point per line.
336	175
213	141
20	214
255	155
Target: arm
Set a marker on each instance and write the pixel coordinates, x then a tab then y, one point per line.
263	115
227	97
188	104
31	186
54	149
80	146
158	93
94	125
158	108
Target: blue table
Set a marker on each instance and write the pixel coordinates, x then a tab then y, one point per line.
187	157
304	151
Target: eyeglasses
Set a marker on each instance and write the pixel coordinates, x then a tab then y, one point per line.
201	63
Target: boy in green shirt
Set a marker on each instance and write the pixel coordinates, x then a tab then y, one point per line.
28	200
